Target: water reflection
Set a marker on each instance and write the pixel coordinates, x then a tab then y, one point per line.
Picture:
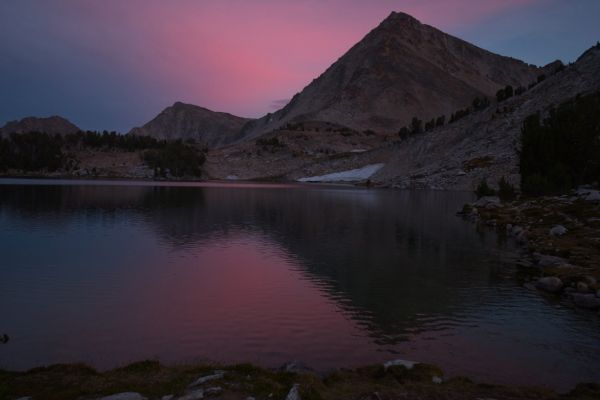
329	276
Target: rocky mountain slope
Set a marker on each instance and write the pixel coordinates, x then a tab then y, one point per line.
51	125
187	121
399	70
455	156
485	144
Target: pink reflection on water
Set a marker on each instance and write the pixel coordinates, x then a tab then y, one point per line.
242	283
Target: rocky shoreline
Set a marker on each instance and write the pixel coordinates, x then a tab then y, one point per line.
559	238
149	380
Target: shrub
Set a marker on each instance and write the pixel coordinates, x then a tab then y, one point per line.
272	142
480	103
484	190
416	126
504	94
459	114
506	191
429	125
404	132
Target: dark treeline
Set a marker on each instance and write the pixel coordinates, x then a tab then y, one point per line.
479	103
418	126
112	140
176	158
38	151
563	150
31	152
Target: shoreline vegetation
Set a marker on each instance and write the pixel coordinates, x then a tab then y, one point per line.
398	379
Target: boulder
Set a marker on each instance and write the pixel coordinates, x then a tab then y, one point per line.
558	230
294	393
405	363
124	396
590	280
546	261
550	284
218	374
213	390
197	394
589	301
594	195
521	238
295	367
588	194
582	287
487	202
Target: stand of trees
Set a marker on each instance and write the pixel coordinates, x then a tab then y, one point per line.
563	151
113	140
175	158
38	151
416	125
31	152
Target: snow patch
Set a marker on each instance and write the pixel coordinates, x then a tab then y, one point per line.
352	175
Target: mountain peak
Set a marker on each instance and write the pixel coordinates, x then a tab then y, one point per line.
189	121
399	16
400	70
400	20
180	104
51	125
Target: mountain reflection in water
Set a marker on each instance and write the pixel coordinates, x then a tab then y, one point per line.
110	273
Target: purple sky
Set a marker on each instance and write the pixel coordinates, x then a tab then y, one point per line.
114	64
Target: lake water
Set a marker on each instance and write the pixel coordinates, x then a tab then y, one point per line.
109	273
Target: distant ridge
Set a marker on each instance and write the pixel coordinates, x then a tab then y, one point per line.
187	121
51	125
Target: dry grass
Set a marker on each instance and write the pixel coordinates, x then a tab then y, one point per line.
77	381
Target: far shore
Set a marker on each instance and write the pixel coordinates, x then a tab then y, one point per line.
187	180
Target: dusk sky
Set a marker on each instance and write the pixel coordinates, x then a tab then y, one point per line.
115	64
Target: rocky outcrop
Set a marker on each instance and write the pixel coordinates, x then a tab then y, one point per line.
484	144
187	121
400	70
51	125
550	284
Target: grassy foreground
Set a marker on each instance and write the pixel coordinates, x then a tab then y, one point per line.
153	380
